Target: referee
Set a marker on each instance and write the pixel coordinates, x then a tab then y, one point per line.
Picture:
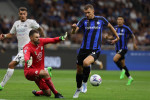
91	45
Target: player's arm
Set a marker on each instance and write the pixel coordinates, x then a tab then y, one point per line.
40	29
3	36
134	42
114	32
10	34
54	40
27	54
109	37
75	29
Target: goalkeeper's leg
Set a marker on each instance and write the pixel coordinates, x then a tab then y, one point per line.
8	74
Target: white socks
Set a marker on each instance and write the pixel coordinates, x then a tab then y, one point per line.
98	62
7	76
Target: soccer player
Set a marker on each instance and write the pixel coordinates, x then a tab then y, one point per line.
21	29
91	45
35	71
124	32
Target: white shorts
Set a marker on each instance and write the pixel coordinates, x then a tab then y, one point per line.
19	57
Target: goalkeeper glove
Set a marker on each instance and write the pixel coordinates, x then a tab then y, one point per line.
29	62
63	37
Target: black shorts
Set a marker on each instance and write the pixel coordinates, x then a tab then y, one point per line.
83	53
122	53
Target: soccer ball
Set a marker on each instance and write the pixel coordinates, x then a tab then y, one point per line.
95	80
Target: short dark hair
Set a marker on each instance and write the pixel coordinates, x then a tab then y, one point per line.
120	16
87	6
32	32
22	9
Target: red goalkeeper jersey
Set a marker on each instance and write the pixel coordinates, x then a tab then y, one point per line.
37	53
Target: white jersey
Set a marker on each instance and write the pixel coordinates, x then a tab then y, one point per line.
22	29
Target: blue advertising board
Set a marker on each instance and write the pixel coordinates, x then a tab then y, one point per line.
135	60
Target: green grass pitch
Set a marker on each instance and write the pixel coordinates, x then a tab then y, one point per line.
112	88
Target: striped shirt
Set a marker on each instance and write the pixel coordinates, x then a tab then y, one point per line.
92	32
123	32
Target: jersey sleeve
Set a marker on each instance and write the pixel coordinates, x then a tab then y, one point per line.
27	54
13	29
129	31
49	40
105	21
80	24
34	24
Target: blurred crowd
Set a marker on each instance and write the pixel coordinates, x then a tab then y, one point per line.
57	16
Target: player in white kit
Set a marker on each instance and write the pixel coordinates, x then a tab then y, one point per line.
21	29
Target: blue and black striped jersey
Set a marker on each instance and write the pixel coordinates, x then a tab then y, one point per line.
123	32
92	32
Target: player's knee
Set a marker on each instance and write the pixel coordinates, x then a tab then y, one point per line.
48	94
44	73
86	63
115	60
11	65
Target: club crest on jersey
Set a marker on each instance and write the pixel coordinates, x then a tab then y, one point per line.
25	51
122	30
98	23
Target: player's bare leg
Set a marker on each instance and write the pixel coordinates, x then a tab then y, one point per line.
8	74
99	63
79	78
44	74
118	63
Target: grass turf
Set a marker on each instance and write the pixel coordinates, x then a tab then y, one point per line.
112	88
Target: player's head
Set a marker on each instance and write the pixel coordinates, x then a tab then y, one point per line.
34	36
23	13
89	11
120	20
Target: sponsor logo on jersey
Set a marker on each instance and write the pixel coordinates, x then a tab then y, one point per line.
93	27
120	34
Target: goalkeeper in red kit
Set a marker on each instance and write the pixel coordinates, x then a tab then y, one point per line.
34	68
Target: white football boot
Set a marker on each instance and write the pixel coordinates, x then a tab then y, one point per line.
84	87
76	95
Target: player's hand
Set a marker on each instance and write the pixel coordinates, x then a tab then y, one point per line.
74	26
63	37
135	47
114	41
2	36
106	37
29	62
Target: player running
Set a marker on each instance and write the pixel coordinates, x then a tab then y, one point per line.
35	71
123	32
91	45
21	29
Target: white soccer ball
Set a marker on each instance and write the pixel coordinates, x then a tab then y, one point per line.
95	80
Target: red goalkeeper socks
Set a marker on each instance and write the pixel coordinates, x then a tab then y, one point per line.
40	92
50	85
